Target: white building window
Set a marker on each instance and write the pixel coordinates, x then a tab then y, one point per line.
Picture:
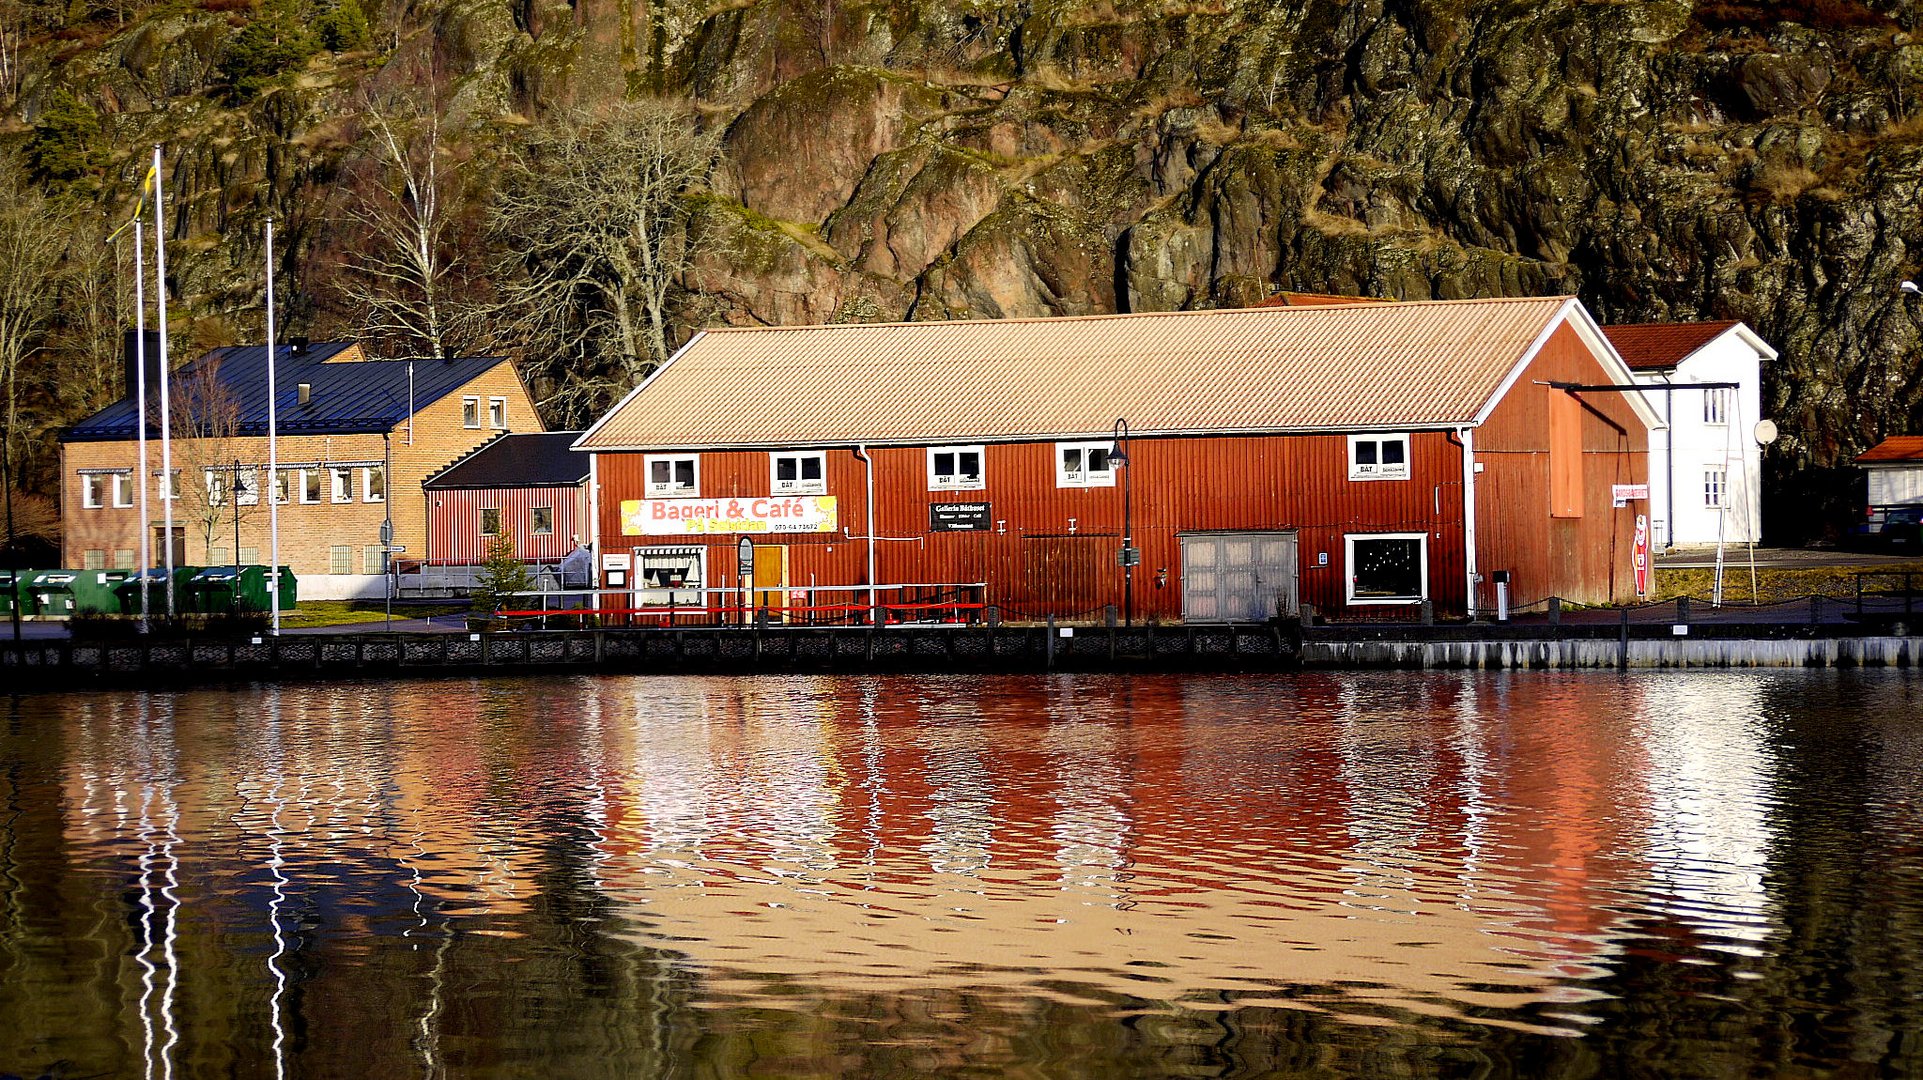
1716	406
123	489
123	558
93	490
955	468
497	413
1378	457
373	560
374	483
471	412
216	487
491	521
340	559
1387	568
1715	487
803	472
1084	464
170	485
669	575
93	559
310	485
541	520
342	484
672	476
248	494
281	484
250	556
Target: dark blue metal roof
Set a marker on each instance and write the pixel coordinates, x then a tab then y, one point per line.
542	460
348	397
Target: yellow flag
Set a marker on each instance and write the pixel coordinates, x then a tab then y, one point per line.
146	185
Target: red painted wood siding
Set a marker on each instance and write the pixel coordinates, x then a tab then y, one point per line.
1054	551
1584	558
454	522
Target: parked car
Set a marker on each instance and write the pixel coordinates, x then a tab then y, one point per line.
1902	528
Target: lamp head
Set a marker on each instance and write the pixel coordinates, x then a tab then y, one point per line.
1910	288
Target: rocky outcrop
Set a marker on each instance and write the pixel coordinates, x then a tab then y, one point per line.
912	159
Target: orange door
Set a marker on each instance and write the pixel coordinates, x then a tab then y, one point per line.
771	580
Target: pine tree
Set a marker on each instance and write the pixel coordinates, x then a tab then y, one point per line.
502	574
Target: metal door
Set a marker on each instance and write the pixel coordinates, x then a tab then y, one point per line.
1238	577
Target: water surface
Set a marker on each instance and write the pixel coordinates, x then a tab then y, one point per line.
1532	874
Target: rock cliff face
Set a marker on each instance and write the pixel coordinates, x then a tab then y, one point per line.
964	158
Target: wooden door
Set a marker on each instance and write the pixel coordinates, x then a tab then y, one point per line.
771	580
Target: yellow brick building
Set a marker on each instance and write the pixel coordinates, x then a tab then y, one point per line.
356	438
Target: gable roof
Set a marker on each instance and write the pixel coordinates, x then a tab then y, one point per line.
1656	346
350	395
543	460
1896	448
1368	366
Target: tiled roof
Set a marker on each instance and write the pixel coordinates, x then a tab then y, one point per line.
1358	366
1654	346
543	460
348	396
1312	299
1894	448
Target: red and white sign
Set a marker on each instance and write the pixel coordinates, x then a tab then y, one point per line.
1624	494
687	517
1640	555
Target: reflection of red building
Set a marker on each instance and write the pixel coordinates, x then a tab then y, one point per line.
1360	457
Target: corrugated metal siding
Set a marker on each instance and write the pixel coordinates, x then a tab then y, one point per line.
454	516
1585	559
1054	548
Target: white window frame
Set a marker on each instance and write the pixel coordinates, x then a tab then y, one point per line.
684	595
958	481
340	483
169	485
216	486
310	486
533	522
1348	569
250	556
123	558
1085	477
283	488
471	412
121	488
1377	470
1716	407
249	494
1715	487
368	494
93	490
670	490
497	413
800	485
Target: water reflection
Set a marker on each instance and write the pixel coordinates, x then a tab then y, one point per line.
1371	874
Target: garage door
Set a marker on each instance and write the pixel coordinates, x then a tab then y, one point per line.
1238	577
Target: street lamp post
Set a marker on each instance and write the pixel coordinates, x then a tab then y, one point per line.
239	489
1128	556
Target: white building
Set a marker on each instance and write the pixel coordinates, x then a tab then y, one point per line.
1705	467
1894	470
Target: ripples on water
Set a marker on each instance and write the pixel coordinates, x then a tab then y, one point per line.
1698	874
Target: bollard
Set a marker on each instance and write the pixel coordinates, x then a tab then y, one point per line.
1815	609
1108	615
1622	646
1307	613
1682	609
1048	646
1555	611
993	616
1428	613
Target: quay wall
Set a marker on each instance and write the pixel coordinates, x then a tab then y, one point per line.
1580	653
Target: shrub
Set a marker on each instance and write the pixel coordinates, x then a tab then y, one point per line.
274	41
343	26
501	574
65	146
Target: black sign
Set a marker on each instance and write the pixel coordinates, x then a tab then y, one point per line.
959	517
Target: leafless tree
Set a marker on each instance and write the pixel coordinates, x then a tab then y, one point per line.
592	217
206	423
33	236
403	278
94	304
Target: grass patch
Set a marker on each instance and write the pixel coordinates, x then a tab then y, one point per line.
353	612
1778	585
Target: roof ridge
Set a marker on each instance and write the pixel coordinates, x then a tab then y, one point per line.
1692	322
1359	303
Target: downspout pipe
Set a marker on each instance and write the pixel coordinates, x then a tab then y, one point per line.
868	504
1464	438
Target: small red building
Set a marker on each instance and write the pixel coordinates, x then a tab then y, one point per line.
531	487
1361	457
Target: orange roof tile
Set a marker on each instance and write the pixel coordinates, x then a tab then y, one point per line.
1894	448
1651	346
1357	366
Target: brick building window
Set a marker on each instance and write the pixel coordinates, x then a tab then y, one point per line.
123	558
372	560
374	484
803	472
1378	457
497	413
123	489
340	559
249	556
310	485
93	490
955	468
342	484
471	412
673	476
93	559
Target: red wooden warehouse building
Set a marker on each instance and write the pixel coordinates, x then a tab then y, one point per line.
1362	457
532	488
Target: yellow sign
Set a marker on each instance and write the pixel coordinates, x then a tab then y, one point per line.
688	517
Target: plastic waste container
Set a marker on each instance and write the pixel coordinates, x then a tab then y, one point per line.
48	594
155	578
96	592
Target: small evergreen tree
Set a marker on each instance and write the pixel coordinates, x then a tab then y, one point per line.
343	26
502	574
65	147
276	40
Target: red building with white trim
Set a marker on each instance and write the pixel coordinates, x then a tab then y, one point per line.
1362	457
530	487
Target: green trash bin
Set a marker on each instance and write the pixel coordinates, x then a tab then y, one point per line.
156	580
96	592
48	594
11	590
289	589
212	590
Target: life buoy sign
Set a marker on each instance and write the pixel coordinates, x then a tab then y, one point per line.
1641	555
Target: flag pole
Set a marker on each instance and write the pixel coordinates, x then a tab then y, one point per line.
273	450
142	472
167	492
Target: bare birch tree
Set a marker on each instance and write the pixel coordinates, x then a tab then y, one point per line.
33	236
206	424
592	217
402	278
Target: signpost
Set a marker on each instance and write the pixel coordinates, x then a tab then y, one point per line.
1640	556
1623	494
745	571
960	517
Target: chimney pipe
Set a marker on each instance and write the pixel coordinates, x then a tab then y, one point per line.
306	392
129	341
299	344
